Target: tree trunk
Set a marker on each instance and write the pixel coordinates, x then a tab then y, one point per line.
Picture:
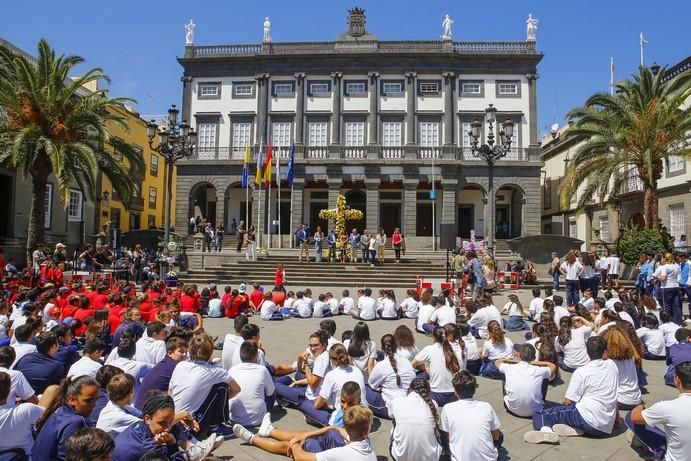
650	207
37	217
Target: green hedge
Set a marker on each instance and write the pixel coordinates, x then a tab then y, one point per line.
634	241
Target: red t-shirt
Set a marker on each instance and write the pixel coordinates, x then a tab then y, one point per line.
279	277
256	297
239	303
115	317
278	297
189	303
82	314
68	312
99	301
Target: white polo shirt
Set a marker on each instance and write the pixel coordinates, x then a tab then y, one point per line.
654	340
150	350
424	313
613	263
362	361
320	308
672	416
333	383
115	419
133	367
493	351
412	437
16	424
594	389
354	451
571	270
320	367
367	308
443	315
230	343
84	367
559	312
191	382
268	309
435	362
410	308
249	407
333	306
469	423
19	386
575	354
535	307
388	307
628	392
668	330
347	304
303	307
471	350
20	350
523	386
482	317
384	377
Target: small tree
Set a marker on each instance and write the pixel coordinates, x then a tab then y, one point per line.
633	242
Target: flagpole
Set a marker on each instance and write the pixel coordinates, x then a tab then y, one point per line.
292	240
278	206
268	215
259	206
611	76
643	42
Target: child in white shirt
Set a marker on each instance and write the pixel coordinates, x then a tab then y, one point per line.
535	308
652	337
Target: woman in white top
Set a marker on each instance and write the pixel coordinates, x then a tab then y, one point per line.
626	357
572	269
389	378
361	349
453	336
415	433
653	339
497	346
570	343
409	306
471	357
424	312
440	316
405	341
440	361
669	280
516	313
386	309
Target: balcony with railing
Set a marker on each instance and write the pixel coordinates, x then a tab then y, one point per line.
632	183
515	154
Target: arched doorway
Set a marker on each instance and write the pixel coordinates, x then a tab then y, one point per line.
508	217
637	220
356	199
203	202
236	205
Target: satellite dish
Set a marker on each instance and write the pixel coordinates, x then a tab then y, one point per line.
554	128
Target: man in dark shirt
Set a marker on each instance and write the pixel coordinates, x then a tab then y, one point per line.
678	353
40	368
66	353
158	378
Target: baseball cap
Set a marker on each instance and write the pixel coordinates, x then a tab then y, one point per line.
243	288
54	310
59	245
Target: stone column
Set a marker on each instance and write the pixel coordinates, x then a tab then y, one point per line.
448	205
336	113
532	108
300	109
220	206
262	106
411	94
259	213
449	85
334	190
186	98
410	207
372	209
298	204
373	99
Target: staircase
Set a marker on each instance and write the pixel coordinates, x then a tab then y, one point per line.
235	270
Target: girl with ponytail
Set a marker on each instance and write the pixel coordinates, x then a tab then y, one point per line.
389	378
65	416
415	433
440	361
497	346
573	333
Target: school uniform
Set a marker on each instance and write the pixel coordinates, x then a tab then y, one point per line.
354	451
192	381
439	375
19	386
41	370
115	419
367	308
535	308
383	389
321	309
559	313
515	321
668	330
302	308
479	321
84	367
491	352
20	350
472	358
51	439
230	343
362	361
138	440
333	382
679	353
469	423
410	308
320	367
574	352
150	350
573	285
270	311
443	316
157	379
424	313
628	392
523	387
413	437
256	394
16	425
387	309
593	389
653	343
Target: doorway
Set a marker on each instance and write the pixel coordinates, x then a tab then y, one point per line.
424	220
315	220
502	222
466	219
390	217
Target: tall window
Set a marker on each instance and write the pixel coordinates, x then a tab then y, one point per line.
48	206
355	133
241	135
281	133
207	135
115	218
152	222
317	134
573	229
465	136
677	220
675	164
153	195
391	133
429	134
604	228
153	169
74	206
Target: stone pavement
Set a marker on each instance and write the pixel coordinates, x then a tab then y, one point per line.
283	341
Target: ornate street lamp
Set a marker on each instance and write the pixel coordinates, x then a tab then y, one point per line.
176	141
491	153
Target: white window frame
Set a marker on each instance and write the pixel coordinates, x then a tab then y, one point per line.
465	136
392	87
245	87
153	166
75	205
155	195
573	228
317	133
206	134
392	133
204	90
675	164
476	88
281	133
429	134
504	87
320	86
429	88
361	88
48	216
604	228
355	133
677	220
242	135
283	89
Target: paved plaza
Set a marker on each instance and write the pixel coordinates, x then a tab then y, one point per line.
283	341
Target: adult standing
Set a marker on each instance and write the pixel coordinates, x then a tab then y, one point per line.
59	255
604	268
233	226
331	243
250	250
37	257
354	240
613	271
668	275
240	234
86	258
476	278
364	245
137	258
193	224
318	244
554	270
381	245
398	243
572	269
303	243
458	263
218	241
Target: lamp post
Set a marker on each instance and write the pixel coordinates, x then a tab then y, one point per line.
175	141
491	153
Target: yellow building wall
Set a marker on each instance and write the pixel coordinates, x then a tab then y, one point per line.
153	179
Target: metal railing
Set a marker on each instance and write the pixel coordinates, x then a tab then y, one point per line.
631	184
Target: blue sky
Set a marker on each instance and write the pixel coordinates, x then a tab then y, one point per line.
137	42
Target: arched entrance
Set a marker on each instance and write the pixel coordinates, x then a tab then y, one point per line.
203	202
508	217
637	220
236	206
356	199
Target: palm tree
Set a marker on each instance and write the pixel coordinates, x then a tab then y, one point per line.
631	132
49	123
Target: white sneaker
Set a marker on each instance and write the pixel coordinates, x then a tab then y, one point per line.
266	426
540	437
242	433
200	449
566	431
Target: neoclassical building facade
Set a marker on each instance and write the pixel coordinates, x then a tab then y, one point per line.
383	122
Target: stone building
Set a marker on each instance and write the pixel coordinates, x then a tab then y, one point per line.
383	122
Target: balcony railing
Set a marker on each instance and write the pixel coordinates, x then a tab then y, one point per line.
137	204
513	155
212	153
632	184
317	152
429	152
354	152
388	152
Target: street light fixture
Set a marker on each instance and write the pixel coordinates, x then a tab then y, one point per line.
176	141
490	153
